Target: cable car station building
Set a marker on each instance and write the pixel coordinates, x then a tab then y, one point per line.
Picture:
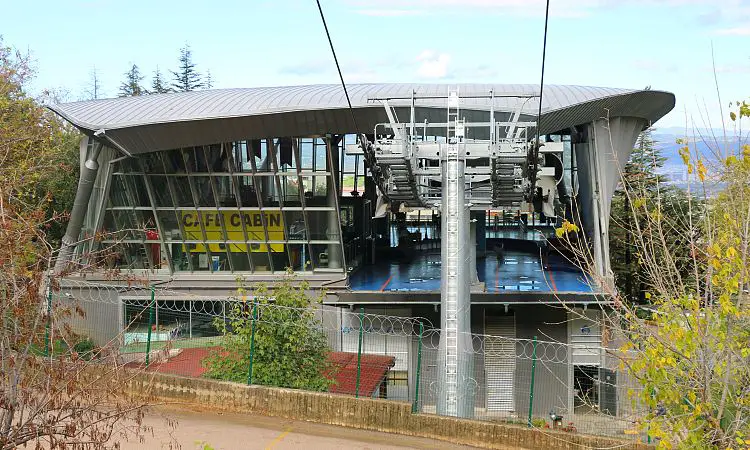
422	200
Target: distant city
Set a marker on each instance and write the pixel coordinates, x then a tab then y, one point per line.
710	144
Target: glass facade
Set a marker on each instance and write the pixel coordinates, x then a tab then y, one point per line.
249	206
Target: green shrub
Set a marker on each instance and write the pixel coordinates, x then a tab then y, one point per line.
290	350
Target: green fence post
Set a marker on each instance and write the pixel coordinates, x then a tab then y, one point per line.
47	349
150	324
648	429
252	345
531	390
359	349
415	406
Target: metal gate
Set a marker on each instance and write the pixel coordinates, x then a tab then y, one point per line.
500	362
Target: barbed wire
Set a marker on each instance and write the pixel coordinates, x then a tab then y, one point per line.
138	296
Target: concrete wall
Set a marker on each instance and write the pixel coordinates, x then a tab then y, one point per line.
369	414
101	318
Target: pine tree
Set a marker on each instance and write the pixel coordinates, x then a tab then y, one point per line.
157	84
186	78
638	180
132	84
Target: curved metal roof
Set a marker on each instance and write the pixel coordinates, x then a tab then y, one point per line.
161	121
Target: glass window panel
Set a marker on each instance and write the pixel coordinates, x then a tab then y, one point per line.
243	151
182	192
152	163
117	194
254	227
216	158
261	261
128	166
157	255
267	187
263	163
109	225
319	256
321	157
321	186
196	160
295	225
133	190
253	154
218	258
128	255
314	196
280	259
318	223
169	225
146	222
246	187
160	185
173	161
122	224
290	188
240	261
275	226
299	257
305	154
225	190
199	257
173	235
283	154
203	190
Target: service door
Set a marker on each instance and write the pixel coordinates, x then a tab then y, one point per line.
500	362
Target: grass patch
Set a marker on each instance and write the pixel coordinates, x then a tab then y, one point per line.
208	341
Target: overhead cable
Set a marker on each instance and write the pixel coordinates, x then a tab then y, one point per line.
338	67
539	113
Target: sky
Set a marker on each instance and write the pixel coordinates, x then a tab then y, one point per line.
670	45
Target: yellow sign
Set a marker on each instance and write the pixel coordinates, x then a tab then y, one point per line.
236	224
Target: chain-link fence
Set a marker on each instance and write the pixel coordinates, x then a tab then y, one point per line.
338	350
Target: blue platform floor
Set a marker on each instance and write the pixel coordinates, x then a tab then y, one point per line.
516	271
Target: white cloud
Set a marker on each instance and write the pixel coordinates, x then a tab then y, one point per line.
733	68
736	31
433	65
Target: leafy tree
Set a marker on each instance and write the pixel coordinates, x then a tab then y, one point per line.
132	84
158	85
186	78
692	355
290	347
60	184
54	401
642	191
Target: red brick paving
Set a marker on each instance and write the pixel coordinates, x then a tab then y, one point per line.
188	363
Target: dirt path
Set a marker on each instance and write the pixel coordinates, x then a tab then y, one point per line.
194	428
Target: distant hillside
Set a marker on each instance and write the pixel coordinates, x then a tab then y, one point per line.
707	142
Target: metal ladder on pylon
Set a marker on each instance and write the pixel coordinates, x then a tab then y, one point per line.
454	134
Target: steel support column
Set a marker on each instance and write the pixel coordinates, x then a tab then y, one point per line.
89	170
335	252
455	393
